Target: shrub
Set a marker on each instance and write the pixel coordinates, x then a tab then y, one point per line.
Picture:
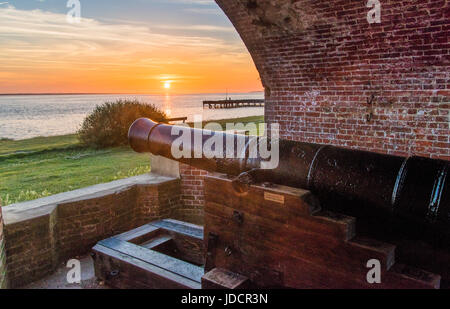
108	124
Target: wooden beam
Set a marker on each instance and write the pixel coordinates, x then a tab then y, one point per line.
219	278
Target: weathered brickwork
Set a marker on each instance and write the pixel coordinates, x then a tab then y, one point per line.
192	194
3	281
35	247
80	225
331	77
30	249
167	197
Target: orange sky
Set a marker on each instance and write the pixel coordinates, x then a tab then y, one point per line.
41	53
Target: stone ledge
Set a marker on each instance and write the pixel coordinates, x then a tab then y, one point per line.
20	212
41	234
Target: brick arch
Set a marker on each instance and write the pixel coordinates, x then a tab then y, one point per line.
322	63
333	78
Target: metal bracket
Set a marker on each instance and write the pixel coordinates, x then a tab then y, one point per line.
238	217
370	102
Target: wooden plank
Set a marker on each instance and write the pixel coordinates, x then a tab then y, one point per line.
187	239
275	268
419	254
163	261
188	229
156	241
332	224
131	272
411	277
290	240
283	245
139	234
296	210
253	201
220	278
376	249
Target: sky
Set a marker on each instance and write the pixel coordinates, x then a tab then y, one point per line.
122	46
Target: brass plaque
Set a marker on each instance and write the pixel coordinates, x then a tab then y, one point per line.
277	198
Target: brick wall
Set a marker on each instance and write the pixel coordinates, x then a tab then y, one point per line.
36	246
3	282
321	62
79	225
167	197
192	194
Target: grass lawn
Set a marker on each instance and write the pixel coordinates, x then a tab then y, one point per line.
42	166
34	168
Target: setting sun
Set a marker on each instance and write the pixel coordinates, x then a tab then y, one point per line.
95	56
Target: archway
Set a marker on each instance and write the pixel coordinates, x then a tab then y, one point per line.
333	75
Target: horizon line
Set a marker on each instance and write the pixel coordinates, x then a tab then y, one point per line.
120	93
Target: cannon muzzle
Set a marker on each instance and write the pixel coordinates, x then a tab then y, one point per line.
209	150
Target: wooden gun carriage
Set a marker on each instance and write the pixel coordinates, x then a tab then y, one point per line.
326	217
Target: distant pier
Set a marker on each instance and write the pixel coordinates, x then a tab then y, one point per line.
233	103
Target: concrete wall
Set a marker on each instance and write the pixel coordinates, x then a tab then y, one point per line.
3	281
43	233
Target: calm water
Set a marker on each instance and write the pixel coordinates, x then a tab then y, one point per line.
26	116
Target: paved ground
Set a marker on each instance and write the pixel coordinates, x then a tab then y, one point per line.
58	280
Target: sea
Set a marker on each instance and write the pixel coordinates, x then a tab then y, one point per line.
27	116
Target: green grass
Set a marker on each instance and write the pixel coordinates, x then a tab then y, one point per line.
42	166
11	147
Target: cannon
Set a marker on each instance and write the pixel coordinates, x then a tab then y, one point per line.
317	218
413	191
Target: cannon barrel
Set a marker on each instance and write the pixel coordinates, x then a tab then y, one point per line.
415	189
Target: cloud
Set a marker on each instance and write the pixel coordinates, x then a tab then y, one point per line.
41	37
41	52
204	11
193	2
207	28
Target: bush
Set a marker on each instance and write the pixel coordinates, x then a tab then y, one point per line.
108	124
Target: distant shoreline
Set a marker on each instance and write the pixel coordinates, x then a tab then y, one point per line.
222	122
25	116
152	94
12	94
